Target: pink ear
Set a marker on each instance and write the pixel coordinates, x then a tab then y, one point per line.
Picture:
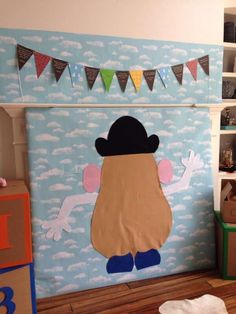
91	178
165	171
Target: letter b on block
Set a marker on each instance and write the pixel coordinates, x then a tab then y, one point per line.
7	300
4	234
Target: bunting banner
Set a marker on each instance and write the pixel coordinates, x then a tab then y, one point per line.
41	61
178	72
58	67
76	70
149	76
91	74
23	55
164	74
107	76
122	77
204	63
75	73
136	76
192	66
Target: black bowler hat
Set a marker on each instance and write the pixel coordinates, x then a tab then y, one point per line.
126	136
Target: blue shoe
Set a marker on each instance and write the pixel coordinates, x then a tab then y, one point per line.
147	259
120	264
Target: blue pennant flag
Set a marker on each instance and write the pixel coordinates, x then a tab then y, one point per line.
75	73
164	74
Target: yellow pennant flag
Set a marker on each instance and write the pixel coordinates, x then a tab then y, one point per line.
136	76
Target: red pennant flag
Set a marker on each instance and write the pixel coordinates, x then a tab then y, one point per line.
192	66
204	63
149	76
91	74
58	67
178	72
41	62
23	55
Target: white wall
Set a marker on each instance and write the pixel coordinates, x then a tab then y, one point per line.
198	21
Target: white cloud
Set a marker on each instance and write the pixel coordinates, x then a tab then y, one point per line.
175	238
87	248
126	278
43	247
59	96
62	255
150	47
188	249
186	217
115	42
10	76
129	48
202	203
59	187
56	38
122	57
80	276
187	129
187	198
164	133
53	269
200	232
61	113
71	44
141	100
99	279
50	173
178	145
66	54
189	100
77	266
37	151
45	137
76	133
39	89
69	287
178	207
35	116
7	40
97	115
62	150
179	52
116	97
53	124
179	268
96	43
35	39
111	64
89	54
88	100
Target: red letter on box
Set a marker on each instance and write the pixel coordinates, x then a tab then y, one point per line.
4	239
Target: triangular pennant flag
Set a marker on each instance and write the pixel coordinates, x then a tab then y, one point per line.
164	74
149	76
204	63
58	67
91	74
178	72
75	73
107	76
41	62
136	76
122	77
23	55
192	66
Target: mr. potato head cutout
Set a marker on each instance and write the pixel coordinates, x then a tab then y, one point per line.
132	218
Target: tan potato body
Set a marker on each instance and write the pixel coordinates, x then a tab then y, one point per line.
131	212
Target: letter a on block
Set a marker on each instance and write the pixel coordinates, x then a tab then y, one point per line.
4	238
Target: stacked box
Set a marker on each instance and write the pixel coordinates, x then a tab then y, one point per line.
17	291
226	247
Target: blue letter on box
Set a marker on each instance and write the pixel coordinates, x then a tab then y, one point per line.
7	301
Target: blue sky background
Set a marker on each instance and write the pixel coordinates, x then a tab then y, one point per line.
105	52
61	144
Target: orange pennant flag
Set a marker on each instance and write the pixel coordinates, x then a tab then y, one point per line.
136	76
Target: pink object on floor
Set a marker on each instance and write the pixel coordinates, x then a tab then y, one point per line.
3	182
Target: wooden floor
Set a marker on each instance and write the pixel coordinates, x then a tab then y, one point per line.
142	297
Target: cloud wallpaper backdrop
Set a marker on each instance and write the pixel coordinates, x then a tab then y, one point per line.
109	53
61	145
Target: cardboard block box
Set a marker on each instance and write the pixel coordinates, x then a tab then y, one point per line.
17	290
226	247
15	225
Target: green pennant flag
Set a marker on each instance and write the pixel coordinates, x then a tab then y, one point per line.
107	76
